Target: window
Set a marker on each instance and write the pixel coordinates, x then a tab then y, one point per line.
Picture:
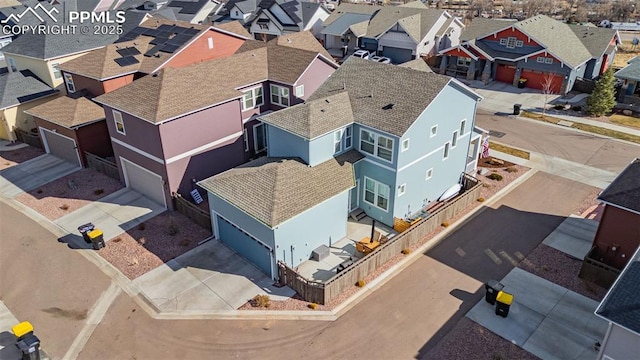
263	26
252	98
445	155
348	137
503	41
237	13
548	61
68	79
376	193
259	138
454	140
245	137
405	145
519	43
56	71
511	43
462	61
210	42
540	59
429	174
117	118
342	139
377	145
401	189
300	90
463	124
279	95
12	65
434	130
337	141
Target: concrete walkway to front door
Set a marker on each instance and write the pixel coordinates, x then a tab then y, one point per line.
33	173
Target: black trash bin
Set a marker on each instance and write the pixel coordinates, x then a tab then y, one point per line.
492	288
29	345
522	83
503	303
97	239
516	109
84	230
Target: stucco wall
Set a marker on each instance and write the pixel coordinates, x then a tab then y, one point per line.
315	75
14	117
198	51
285	144
140	134
94	87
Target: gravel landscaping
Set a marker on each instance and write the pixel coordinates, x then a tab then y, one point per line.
153	243
15	157
69	193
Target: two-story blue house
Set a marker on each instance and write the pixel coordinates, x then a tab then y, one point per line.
388	140
539	49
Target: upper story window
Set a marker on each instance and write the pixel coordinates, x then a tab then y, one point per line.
544	60
68	79
300	91
245	137
117	118
463	124
376	193
12	65
405	145
445	155
463	61
210	42
511	42
342	139
376	144
519	43
259	137
434	130
402	189
56	71
279	95
454	140
252	98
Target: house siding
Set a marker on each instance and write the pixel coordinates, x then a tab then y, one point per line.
619	228
116	83
140	134
315	75
398	38
198	51
621	344
323	224
93	138
316	22
365	168
285	144
42	68
322	149
14	117
94	87
427	45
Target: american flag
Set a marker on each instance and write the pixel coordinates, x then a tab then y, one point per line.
485	148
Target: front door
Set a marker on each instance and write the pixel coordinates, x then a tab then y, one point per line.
354	196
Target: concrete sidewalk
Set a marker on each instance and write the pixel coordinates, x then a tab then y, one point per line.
30	174
574	236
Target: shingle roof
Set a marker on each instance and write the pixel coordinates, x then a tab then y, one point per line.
596	40
50	46
234	27
343	23
480	27
68	112
416	21
303	40
624	190
21	86
314	118
621	305
372	86
346	8
273	190
629	72
417	64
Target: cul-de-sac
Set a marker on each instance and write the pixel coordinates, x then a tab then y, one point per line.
320	179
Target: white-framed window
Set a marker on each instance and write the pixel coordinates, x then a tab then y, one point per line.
402	189
279	95
376	144
210	42
12	64
337	141
252	98
263	26
237	13
405	145
464	62
540	59
68	80
519	43
300	91
445	154
117	119
348	137
259	137
245	137
454	140
376	193
342	140
511	42
434	130
429	174
503	41
548	61
56	71
463	124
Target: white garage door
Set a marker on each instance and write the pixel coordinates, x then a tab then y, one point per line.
61	146
143	181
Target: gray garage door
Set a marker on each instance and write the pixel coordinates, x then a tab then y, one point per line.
245	245
397	55
143	181
61	146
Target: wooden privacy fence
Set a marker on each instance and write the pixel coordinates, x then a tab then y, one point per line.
102	165
323	293
28	138
192	211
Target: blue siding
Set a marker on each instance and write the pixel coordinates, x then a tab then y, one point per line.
323	224
575	74
371	170
526	49
285	144
321	149
356	139
245	246
592	68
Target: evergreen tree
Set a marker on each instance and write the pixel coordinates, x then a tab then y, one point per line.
602	99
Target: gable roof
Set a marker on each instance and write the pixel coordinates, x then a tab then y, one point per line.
480	27
234	27
624	190
303	40
68	112
416	64
340	26
415	21
346	8
300	12
21	86
273	190
629	72
621	304
595	39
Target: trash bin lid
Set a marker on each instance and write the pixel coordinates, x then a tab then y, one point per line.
494	284
22	329
504	298
94	233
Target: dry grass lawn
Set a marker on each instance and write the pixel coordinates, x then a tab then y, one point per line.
509	150
626	51
625	120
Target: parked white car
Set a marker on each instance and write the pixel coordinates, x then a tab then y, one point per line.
362	54
381	59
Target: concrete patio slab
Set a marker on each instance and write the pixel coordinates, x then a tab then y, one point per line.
534	292
517	328
164	283
575	309
574	345
574	236
199	297
33	173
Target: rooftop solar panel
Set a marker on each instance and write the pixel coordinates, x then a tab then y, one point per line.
126	61
168	48
130	51
158	40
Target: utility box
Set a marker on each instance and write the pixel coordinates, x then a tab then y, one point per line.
492	288
97	239
320	253
503	303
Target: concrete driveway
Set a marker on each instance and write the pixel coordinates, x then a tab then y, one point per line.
113	214
500	97
208	278
545	319
33	173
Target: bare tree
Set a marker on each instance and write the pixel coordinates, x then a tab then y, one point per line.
535	7
509	9
622	10
477	7
547	89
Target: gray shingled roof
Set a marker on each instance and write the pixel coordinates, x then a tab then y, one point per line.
629	72
595	39
43	46
416	21
346	8
624	191
480	27
273	190
621	305
314	118
21	86
342	24
372	86
417	64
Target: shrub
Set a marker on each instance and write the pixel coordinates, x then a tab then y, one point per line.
511	169
116	240
406	251
445	224
495	176
142	240
360	283
480	199
142	226
173	229
312	306
99	191
64	207
261	301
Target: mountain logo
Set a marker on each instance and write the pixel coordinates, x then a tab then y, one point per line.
49	14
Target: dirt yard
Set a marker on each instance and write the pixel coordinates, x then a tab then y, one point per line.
15	157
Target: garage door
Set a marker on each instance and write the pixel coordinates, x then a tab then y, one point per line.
397	55
143	181
61	146
245	245
537	79
505	73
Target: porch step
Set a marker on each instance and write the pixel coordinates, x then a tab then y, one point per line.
358	214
